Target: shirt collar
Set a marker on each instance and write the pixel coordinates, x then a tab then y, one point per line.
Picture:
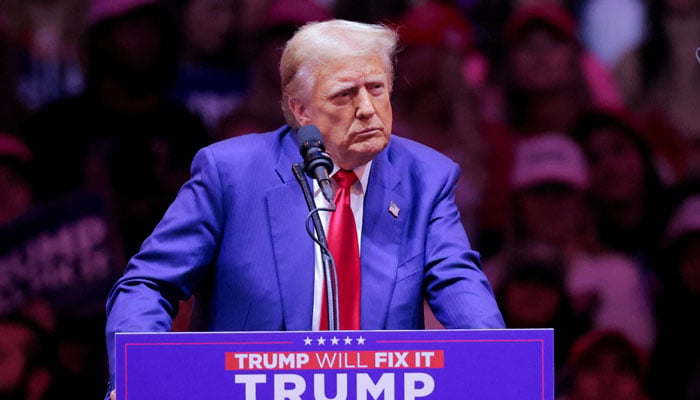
362	173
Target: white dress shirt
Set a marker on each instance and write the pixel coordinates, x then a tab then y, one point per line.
357	200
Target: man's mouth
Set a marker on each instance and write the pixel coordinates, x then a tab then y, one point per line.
368	132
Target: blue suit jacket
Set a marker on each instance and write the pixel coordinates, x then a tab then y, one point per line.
235	237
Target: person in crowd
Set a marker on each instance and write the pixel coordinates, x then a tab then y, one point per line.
533	294
15	180
81	359
625	184
547	81
490	16
122	137
626	189
432	101
212	77
549	78
660	80
256	112
26	367
58	362
675	363
44	37
398	229
606	365
550	182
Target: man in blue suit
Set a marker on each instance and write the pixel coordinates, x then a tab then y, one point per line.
235	237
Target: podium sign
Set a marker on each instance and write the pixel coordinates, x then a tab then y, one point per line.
438	364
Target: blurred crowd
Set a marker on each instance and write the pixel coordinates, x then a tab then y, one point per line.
574	122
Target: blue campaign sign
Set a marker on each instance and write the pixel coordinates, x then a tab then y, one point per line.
64	252
434	364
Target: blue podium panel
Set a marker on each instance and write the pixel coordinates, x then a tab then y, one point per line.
339	365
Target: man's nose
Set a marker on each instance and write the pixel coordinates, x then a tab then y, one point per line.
365	106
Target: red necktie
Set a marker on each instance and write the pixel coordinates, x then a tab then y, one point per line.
342	242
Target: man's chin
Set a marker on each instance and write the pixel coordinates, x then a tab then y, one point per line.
362	153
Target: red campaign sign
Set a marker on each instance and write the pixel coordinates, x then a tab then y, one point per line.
389	365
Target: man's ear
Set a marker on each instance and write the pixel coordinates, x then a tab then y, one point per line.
300	111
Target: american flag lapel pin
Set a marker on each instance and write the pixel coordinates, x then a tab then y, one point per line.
394	209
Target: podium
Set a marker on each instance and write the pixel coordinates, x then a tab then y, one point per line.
391	365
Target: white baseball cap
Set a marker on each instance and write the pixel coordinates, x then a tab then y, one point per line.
549	158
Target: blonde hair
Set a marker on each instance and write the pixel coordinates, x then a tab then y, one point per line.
318	42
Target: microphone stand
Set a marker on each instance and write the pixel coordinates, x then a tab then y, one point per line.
329	273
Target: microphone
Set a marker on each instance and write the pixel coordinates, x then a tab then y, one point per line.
317	163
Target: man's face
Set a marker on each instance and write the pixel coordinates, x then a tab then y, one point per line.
350	105
543	62
617	166
552	212
207	24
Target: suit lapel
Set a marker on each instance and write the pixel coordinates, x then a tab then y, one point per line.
293	249
381	241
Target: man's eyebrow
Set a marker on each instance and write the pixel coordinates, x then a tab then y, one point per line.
343	86
376	78
339	88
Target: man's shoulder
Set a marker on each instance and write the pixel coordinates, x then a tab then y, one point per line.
253	144
404	152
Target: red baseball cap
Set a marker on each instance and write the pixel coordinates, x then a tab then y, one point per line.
595	341
551	15
102	10
436	24
13	147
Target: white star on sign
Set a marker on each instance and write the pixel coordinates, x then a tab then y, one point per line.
321	341
347	340
307	341
360	340
334	341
